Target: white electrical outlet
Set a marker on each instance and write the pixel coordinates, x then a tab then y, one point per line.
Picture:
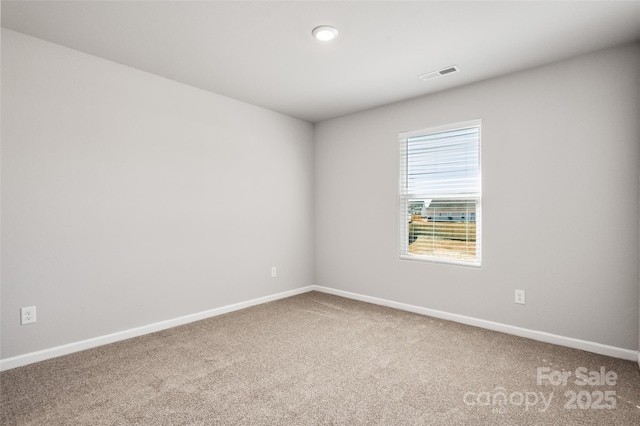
520	297
27	315
274	272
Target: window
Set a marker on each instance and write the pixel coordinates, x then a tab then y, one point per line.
440	194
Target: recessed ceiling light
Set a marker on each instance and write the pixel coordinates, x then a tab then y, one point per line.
325	33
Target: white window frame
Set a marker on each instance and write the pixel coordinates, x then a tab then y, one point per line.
405	197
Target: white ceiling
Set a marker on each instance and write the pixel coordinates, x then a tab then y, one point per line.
262	52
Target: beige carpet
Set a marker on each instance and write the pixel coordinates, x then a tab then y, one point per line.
321	359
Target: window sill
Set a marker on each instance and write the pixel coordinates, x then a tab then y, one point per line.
428	259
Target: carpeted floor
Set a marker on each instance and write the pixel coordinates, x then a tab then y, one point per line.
321	359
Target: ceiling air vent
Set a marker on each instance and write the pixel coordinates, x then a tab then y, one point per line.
439	73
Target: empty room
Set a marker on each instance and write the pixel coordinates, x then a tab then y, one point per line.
320	212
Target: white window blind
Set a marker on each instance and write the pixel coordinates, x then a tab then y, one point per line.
440	194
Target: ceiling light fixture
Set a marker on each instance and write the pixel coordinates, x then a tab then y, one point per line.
325	33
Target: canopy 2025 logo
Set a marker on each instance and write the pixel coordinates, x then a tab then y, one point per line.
586	399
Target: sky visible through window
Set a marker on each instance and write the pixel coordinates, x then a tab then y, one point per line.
444	163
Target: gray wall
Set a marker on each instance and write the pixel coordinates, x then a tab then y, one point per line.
560	150
129	199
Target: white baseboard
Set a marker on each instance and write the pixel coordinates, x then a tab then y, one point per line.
30	358
541	336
